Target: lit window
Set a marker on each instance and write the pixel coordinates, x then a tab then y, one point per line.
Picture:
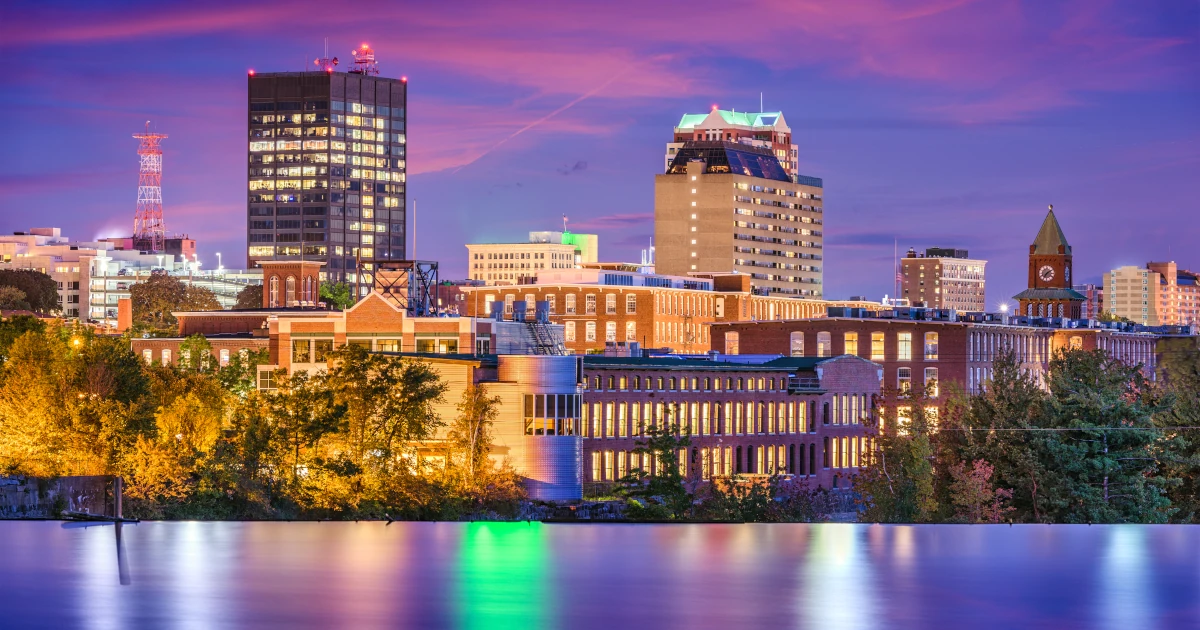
630	331
610	332
590	331
931	382
851	343
904	379
569	331
904	346
931	346
877	353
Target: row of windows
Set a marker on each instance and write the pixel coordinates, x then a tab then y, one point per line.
707	462
620	419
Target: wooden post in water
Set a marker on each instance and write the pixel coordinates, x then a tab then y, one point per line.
118	489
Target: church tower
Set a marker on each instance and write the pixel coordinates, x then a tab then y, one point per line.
1050	293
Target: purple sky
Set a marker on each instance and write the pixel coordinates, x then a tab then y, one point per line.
937	123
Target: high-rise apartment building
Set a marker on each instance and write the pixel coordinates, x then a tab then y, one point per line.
1158	294
1179	300
943	279
762	129
327	168
730	207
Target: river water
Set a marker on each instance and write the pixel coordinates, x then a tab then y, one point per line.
518	575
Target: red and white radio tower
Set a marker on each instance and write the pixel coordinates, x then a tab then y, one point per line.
149	233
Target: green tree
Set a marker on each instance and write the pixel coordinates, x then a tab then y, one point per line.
195	354
470	435
154	301
303	411
1003	425
13	299
389	405
13	327
1179	456
338	294
240	375
1107	456
662	493
250	298
41	291
897	485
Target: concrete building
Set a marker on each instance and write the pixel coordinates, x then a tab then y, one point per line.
767	130
603	307
327	168
805	417
944	279
724	207
519	263
1158	294
1050	261
94	276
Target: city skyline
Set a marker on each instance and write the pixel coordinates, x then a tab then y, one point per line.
947	124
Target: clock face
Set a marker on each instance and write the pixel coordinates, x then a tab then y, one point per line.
1046	273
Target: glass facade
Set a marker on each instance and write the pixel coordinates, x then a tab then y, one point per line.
326	171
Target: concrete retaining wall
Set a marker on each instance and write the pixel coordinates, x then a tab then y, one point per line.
36	497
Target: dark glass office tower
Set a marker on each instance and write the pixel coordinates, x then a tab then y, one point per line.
326	170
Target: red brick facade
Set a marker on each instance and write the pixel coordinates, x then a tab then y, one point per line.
793	417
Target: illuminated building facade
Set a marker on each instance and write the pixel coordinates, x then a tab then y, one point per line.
804	417
327	170
724	207
762	129
944	279
519	263
1159	294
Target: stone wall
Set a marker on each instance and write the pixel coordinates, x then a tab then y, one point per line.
36	497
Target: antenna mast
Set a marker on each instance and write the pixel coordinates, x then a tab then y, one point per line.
364	61
149	232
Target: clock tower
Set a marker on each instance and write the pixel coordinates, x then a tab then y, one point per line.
1050	293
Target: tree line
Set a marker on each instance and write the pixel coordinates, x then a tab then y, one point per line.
200	440
1100	443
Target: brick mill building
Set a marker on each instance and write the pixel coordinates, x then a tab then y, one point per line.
602	307
932	349
805	417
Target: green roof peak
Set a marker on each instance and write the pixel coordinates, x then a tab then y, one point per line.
1050	237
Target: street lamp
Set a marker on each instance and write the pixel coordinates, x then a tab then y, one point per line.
219	266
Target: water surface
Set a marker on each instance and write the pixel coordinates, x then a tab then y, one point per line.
504	575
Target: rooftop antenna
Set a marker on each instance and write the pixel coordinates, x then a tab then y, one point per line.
149	233
325	63
760	101
564	223
364	61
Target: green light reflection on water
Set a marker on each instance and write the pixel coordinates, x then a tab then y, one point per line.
503	579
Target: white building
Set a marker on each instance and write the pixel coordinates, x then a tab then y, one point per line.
93	276
519	263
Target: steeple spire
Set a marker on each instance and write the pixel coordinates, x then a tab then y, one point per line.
1050	237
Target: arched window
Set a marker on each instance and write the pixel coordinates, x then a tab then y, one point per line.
290	291
1060	309
824	344
274	301
796	340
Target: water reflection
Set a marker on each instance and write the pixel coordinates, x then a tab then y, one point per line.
838	589
1125	596
502	577
518	575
